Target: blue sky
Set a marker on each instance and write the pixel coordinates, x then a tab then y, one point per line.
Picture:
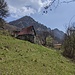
57	18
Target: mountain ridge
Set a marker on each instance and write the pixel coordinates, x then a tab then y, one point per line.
39	28
27	21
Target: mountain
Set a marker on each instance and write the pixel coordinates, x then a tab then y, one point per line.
27	21
58	35
39	28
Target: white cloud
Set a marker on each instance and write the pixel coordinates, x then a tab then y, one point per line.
19	8
19	12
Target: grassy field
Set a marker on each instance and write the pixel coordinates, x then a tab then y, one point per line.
19	57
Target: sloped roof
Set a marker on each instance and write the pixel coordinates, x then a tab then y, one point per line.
27	30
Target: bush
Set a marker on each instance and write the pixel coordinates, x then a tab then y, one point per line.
49	41
69	43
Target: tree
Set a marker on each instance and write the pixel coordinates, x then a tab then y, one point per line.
3	12
3	9
56	4
49	41
69	42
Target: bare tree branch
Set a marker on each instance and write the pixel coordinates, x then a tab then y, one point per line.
71	19
46	7
68	1
58	1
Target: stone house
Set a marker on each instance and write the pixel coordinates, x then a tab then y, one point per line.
25	34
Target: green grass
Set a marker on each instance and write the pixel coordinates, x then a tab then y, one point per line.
19	57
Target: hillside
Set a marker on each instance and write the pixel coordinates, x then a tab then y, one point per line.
40	28
6	26
19	57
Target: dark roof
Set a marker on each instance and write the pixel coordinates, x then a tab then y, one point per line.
27	30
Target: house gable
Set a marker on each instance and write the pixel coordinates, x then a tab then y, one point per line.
26	34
